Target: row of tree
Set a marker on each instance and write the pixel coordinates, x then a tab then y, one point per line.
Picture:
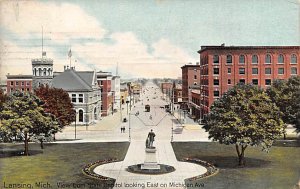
27	116
247	115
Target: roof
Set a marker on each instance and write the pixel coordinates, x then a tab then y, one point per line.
71	80
19	76
42	61
190	66
204	48
87	76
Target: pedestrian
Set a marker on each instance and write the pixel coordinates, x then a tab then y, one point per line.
124	129
121	129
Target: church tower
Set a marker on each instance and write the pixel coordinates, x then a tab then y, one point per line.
42	69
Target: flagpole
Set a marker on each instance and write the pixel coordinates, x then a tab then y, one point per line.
42	41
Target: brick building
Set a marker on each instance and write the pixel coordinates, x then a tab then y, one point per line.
104	80
190	78
223	66
19	82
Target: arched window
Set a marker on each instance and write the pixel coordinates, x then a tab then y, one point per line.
242	59
45	72
229	59
293	59
268	59
280	59
40	71
216	59
255	59
80	116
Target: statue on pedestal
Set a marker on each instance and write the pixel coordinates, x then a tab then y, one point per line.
150	139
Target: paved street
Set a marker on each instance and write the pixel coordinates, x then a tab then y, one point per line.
161	123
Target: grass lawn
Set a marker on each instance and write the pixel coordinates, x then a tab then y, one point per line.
56	163
278	169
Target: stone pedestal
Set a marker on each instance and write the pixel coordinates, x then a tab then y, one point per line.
150	160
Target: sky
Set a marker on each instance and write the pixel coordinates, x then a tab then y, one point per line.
151	38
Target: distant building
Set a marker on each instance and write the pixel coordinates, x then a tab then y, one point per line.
222	67
21	83
166	88
123	93
177	93
104	80
115	88
190	77
84	92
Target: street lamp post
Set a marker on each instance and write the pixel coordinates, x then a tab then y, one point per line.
127	105
129	128
172	132
75	123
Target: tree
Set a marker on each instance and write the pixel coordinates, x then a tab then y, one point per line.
286	95
2	99
244	116
57	103
23	117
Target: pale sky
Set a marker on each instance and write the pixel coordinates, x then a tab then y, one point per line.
146	38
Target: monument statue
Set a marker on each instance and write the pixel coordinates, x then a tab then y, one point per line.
150	139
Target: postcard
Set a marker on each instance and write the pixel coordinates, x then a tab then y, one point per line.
130	94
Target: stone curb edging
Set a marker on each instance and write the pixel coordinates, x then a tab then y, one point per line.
88	169
211	169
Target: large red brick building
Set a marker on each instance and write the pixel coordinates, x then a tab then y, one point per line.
221	67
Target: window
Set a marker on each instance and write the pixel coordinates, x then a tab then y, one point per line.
11	83
255	81
80	98
294	71
293	59
195	83
216	71
27	83
27	89
216	59
73	97
268	71
242	71
195	76
254	59
229	59
280	59
280	71
80	117
216	93
216	82
229	70
268	59
22	83
229	81
242	81
242	59
254	71
17	83
268	82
